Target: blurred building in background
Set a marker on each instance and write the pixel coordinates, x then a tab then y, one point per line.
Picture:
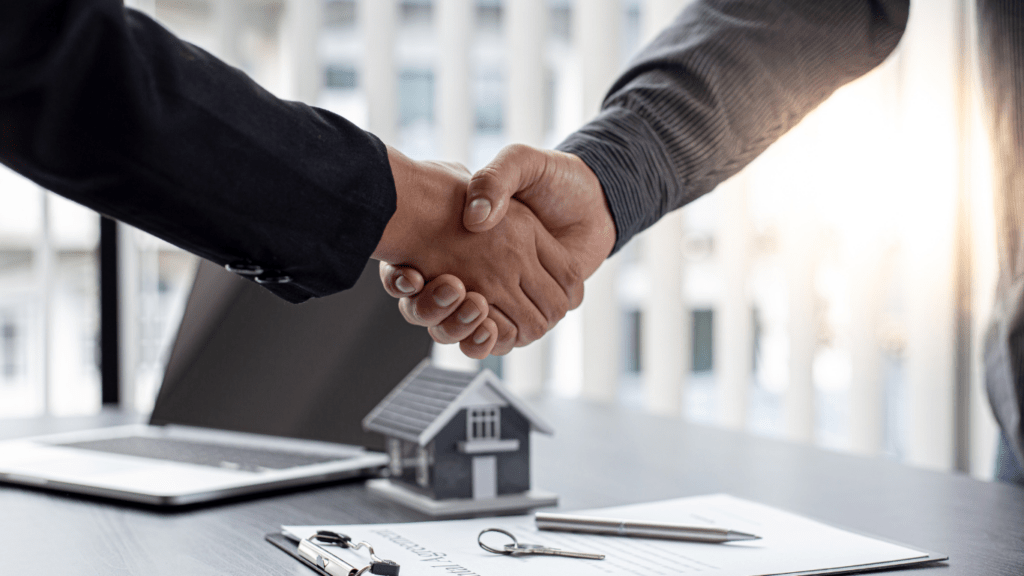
834	292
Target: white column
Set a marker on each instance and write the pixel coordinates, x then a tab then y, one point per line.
984	431
454	24
596	34
929	113
526	24
525	44
666	322
227	22
45	265
798	400
129	313
867	401
524	368
378	20
733	330
145	6
655	15
302	26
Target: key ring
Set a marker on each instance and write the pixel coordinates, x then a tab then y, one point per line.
506	551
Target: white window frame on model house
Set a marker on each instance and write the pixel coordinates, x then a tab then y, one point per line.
483	423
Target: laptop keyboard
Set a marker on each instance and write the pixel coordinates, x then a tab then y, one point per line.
204	454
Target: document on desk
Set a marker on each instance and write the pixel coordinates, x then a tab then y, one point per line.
789	544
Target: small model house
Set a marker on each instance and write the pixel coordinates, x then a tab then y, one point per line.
459	442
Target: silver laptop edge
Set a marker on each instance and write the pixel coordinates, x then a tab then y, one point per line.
41	461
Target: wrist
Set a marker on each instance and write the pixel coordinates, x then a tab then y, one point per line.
390	248
598	217
429	197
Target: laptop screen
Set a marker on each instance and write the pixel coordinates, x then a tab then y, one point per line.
247	361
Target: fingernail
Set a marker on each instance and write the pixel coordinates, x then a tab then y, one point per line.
481	336
403	285
445	295
468	313
479	210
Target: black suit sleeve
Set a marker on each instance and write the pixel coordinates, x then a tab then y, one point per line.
716	88
104	106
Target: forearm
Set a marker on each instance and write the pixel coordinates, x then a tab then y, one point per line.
104	106
716	88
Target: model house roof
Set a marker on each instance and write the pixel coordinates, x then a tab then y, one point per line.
429	397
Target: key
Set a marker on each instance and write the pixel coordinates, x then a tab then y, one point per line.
518	549
531	549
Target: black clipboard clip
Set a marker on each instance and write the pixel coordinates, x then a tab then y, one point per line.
316	549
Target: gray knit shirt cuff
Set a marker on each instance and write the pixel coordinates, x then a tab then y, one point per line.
632	166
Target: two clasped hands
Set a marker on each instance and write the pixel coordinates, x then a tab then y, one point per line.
495	259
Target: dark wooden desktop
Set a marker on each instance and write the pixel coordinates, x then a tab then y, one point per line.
599	456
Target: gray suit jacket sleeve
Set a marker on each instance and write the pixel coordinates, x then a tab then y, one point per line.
716	88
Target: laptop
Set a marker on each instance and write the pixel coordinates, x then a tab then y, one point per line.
258	395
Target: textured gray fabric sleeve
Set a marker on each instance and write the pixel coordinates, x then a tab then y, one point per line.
716	88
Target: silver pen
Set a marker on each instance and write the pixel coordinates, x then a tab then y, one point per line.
639	529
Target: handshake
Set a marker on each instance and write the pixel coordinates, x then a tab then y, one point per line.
495	259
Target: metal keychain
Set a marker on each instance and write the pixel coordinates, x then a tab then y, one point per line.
519	549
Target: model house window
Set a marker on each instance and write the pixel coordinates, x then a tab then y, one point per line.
484	423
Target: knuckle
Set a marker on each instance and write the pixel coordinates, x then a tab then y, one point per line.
573	274
471	350
426	310
518	149
533	329
408	311
561	309
455	330
576	297
440	335
485	179
507	332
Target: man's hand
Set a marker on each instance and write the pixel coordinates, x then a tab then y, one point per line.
529	279
560	189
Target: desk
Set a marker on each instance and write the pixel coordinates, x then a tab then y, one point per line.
599	456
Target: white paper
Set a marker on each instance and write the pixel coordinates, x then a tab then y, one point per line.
789	543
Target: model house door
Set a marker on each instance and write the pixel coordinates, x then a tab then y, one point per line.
485	477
